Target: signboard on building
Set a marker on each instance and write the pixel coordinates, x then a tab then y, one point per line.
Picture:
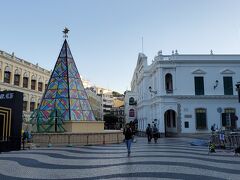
11	106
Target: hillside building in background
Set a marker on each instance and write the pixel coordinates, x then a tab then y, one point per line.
118	111
96	103
106	99
186	93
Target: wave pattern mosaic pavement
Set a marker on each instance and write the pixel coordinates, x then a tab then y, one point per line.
171	158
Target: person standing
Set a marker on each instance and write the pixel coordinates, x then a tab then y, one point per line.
24	138
155	133
149	133
213	128
128	133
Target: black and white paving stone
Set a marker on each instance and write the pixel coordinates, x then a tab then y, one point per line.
170	158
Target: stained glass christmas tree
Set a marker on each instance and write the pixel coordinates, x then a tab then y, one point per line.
65	93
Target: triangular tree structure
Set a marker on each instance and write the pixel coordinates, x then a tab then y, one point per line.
65	92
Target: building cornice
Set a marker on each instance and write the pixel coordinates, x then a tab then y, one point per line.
199	96
196	61
24	63
18	88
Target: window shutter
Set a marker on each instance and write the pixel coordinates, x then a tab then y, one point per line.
228	85
224	119
199	86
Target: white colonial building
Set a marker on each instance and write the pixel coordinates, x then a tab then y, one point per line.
185	93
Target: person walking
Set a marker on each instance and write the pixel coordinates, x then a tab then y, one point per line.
149	133
155	133
128	133
24	138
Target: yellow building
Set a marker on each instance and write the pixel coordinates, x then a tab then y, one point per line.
118	101
19	75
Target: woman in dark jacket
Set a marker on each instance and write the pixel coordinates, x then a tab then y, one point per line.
128	137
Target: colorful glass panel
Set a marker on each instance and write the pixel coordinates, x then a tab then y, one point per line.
88	115
62	93
74	93
82	94
85	105
65	91
72	83
50	94
77	115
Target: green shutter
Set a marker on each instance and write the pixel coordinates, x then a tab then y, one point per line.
201	120
224	119
233	121
228	85
199	85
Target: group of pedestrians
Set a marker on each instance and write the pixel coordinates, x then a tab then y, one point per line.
151	132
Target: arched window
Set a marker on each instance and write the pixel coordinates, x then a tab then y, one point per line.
168	83
201	118
17	77
33	82
7	75
131	113
25	80
46	84
40	84
131	101
32	104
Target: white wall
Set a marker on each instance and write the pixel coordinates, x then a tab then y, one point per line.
183	69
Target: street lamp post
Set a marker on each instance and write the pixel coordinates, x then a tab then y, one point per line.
238	90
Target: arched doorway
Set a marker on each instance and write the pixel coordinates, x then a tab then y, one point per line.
170	122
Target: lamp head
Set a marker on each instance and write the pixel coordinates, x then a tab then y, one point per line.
216	84
237	85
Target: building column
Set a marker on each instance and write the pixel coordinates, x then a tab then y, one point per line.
21	79
12	75
36	85
36	103
29	81
28	103
3	70
1	75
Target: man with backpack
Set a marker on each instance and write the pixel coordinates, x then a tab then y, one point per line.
149	133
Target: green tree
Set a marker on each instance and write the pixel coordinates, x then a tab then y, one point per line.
116	94
110	121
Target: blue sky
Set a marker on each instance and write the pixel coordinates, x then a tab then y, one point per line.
105	35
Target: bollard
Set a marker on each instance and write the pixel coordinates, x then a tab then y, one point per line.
49	141
103	139
69	143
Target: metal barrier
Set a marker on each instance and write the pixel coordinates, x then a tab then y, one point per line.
231	139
